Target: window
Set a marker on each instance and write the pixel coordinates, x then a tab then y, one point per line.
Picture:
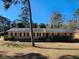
38	34
20	34
65	34
43	34
70	33
52	34
15	34
11	34
27	34
58	34
47	34
33	34
24	34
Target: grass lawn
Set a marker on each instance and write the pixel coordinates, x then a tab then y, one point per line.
50	50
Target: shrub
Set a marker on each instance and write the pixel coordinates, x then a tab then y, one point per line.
5	33
8	38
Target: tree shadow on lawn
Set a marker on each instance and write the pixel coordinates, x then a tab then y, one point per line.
69	57
25	56
3	53
57	48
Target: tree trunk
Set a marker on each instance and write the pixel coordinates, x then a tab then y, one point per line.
31	29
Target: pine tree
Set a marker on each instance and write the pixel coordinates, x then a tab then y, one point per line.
24	15
76	16
8	3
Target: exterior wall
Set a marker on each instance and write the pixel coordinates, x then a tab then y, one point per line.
76	34
19	35
24	35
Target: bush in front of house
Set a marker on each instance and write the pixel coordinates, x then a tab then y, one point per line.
8	38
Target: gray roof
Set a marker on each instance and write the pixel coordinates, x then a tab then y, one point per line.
38	30
58	30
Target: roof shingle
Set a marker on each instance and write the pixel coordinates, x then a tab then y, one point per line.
38	30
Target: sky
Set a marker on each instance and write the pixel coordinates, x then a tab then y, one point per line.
43	9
